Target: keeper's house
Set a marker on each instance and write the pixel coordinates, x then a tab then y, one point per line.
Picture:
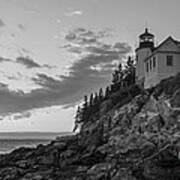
156	63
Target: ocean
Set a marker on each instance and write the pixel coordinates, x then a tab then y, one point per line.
14	140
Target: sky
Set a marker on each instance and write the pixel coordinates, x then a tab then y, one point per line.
53	52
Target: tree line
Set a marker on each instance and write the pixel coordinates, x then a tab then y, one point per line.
122	78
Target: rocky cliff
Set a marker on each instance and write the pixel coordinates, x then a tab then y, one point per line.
136	139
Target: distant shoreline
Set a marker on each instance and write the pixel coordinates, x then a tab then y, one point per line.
12	141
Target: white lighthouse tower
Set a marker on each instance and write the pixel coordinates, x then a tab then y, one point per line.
146	46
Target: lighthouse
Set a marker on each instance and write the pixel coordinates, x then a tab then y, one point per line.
145	48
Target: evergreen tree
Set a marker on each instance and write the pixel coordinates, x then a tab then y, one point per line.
107	92
91	100
120	72
96	99
120	67
101	96
130	71
85	108
115	77
78	118
85	105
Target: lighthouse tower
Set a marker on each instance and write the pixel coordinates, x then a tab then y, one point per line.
146	46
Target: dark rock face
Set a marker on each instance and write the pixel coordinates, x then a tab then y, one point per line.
139	140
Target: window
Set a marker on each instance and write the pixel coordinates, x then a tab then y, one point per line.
150	64
154	62
136	58
169	60
147	66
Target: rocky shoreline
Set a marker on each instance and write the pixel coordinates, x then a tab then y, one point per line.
139	140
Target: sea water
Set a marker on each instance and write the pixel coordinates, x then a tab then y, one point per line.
11	141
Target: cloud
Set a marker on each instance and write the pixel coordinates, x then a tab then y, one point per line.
74	13
23	50
48	66
32	11
5	60
81	39
46	81
26	61
21	27
58	21
30	63
2	24
13	35
22	115
87	74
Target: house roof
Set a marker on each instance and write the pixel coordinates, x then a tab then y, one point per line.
146	34
154	51
177	42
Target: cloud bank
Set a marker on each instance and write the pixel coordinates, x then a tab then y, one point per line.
90	71
74	13
26	61
2	24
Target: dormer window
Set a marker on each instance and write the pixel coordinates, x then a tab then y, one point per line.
169	60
